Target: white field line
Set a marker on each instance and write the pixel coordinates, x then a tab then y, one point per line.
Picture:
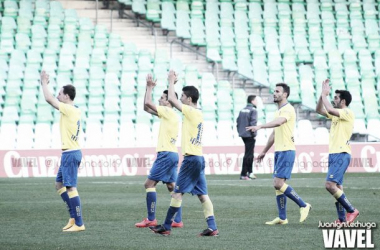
233	183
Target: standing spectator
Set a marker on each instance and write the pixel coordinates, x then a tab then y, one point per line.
247	117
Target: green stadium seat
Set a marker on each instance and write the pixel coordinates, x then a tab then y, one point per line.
22	42
213	52
183	24
168	16
71	16
10	9
198	36
182	5
44	114
42	8
153	10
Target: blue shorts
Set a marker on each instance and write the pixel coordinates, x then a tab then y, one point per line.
191	177
68	171
338	164
165	167
283	163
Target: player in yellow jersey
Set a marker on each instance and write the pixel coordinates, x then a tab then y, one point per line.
284	156
166	165
191	177
342	124
66	180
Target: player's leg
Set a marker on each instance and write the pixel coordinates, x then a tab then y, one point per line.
161	171
208	212
183	185
178	219
280	196
62	191
175	205
340	209
281	202
200	189
170	184
70	176
244	168
251	147
285	162
338	164
151	200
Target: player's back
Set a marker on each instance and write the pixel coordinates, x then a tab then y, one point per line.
168	132
341	131
192	130
70	125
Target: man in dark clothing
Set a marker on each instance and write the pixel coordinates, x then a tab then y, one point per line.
247	117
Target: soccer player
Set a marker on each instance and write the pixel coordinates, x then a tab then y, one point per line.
66	181
284	155
165	167
342	123
191	177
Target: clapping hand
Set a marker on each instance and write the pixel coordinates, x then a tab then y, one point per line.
44	77
172	77
150	82
326	88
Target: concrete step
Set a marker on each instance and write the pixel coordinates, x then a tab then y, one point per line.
144	39
102	14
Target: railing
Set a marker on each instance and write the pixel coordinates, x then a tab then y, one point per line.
112	19
96	11
138	21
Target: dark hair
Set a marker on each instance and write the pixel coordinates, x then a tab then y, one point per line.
344	95
251	98
69	90
191	91
166	92
285	87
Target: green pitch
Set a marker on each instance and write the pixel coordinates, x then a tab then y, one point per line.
32	214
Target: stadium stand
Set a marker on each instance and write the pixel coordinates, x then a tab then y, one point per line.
298	42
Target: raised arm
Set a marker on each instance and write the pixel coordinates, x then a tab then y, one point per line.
172	78
148	103
320	108
325	92
49	98
267	147
275	123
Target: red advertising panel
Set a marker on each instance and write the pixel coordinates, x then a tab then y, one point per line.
138	161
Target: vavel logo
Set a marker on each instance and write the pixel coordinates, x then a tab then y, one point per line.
342	235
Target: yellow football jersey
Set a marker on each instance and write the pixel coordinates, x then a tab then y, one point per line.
168	132
70	126
192	129
284	134
341	131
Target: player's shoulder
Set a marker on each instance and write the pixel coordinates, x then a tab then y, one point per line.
191	109
289	107
166	111
348	112
170	111
69	107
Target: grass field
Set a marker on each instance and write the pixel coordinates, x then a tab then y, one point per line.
32	214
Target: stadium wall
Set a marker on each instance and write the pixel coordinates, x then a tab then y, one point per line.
138	161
